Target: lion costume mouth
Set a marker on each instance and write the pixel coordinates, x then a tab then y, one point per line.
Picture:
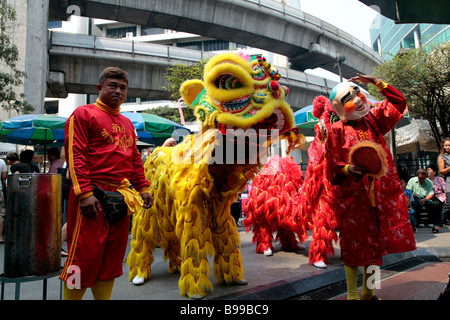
237	105
275	123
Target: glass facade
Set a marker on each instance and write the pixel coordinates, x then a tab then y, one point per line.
208	45
146	30
388	38
119	33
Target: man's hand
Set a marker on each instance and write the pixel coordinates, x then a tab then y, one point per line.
363	78
148	201
89	207
357	171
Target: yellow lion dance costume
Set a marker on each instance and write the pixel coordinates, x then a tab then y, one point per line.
194	183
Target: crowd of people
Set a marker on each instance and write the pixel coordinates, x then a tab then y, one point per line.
427	194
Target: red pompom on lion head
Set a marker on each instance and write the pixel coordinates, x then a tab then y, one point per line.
323	110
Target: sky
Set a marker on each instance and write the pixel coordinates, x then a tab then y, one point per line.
351	16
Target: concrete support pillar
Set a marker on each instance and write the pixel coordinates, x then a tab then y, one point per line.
36	62
416	38
30	36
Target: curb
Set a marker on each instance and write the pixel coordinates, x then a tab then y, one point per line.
295	288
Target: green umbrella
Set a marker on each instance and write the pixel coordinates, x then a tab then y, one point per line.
154	129
33	129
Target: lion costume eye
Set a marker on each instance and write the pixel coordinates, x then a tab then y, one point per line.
228	82
259	73
334	118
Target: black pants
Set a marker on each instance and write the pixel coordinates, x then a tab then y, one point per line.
430	207
445	212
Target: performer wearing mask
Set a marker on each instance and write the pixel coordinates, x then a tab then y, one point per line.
370	206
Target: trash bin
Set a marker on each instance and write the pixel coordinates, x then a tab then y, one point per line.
32	225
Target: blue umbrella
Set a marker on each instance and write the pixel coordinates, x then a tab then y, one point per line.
154	129
32	129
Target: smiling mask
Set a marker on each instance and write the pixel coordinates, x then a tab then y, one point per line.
349	102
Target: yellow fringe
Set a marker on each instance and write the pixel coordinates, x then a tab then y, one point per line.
185	204
190	217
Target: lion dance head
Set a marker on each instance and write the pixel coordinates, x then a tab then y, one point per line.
241	91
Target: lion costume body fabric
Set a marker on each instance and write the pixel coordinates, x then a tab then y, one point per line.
270	207
281	201
315	202
194	183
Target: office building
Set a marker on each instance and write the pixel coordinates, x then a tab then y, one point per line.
388	38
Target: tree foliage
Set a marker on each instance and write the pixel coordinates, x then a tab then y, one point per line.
423	76
172	114
178	73
10	75
175	76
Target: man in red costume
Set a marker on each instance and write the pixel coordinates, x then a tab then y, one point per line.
101	150
370	208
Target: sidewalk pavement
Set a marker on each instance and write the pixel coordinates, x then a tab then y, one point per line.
421	274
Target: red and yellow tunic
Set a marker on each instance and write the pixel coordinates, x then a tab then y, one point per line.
372	213
100	148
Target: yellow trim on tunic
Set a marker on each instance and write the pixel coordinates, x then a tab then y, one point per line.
372	193
132	197
106	108
381	85
345	169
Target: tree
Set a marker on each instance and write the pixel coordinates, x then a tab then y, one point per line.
423	76
178	73
172	114
175	76
10	75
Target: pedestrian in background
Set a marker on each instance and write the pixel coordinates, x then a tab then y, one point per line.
54	157
422	189
25	163
444	169
170	142
4	176
12	158
409	199
439	191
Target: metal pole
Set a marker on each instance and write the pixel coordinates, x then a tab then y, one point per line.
45	147
338	64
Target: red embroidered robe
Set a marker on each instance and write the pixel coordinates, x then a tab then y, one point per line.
366	232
